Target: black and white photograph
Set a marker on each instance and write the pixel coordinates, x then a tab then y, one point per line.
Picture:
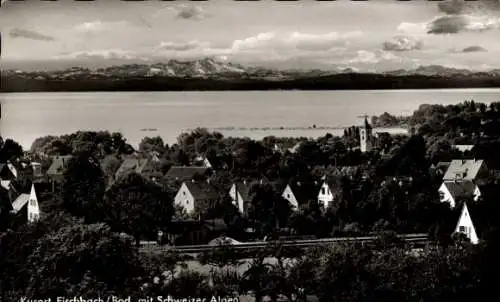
227	151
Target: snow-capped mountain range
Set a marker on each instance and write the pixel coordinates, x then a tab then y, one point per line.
210	67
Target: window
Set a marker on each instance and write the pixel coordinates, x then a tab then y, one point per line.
287	195
323	191
441	196
184	193
461	229
33	202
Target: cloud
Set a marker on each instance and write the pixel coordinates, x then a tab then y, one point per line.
413	29
99	26
402	43
469	49
465	16
458	16
294	41
373	57
189	12
453	7
474	48
261	40
29	34
174	46
107	54
452	24
457	7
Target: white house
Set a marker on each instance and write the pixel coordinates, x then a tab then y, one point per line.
325	195
450	191
28	203
465	225
240	195
195	196
289	195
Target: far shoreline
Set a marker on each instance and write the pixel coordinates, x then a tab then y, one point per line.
447	89
338	132
472	88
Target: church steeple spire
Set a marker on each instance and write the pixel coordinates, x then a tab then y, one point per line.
365	135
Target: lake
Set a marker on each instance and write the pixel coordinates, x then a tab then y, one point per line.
256	114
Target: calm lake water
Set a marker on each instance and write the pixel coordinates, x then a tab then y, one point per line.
256	114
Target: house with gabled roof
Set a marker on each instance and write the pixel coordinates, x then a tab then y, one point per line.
240	195
185	173
196	196
326	194
131	164
292	193
296	194
452	191
465	225
466	169
27	206
58	167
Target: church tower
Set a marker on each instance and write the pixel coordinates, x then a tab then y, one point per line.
365	136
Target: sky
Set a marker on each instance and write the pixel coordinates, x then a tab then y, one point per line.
375	35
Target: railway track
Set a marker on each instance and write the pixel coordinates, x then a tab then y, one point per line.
410	238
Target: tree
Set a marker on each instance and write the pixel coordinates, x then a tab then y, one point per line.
16	245
110	165
137	206
255	277
152	144
9	150
268	208
83	187
83	260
